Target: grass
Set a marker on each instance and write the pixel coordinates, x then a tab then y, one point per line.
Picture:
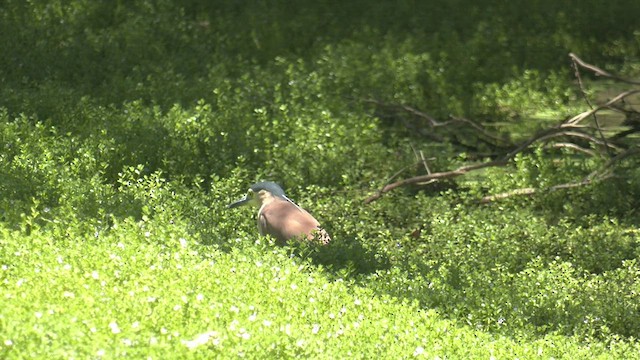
148	290
125	130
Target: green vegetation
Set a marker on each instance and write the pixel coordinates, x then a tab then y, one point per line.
127	127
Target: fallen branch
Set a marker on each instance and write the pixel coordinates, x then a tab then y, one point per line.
598	175
433	177
541	136
578	118
586	99
433	122
570	128
599	71
573	147
532	191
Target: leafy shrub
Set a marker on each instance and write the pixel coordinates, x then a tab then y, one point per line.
126	129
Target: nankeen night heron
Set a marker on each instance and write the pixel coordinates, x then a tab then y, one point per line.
280	217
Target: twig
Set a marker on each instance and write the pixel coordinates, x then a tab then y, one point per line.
598	175
586	99
613	161
578	118
433	177
574	147
599	71
532	191
434	123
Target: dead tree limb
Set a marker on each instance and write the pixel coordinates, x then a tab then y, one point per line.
576	67
599	72
541	136
570	128
531	191
578	118
601	174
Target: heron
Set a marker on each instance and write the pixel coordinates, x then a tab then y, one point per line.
280	217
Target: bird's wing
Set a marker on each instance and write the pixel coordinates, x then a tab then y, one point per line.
313	229
262	223
284	220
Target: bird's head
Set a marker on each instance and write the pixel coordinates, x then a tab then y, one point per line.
260	194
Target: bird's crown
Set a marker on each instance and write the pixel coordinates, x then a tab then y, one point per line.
269	186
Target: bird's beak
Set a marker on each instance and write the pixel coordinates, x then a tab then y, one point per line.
240	202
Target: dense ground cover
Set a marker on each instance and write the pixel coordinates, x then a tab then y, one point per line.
126	128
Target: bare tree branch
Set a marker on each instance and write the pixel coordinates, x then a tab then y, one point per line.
601	174
574	147
531	191
578	118
570	128
586	99
599	71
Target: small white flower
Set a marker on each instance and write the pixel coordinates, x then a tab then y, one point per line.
358	302
8	342
199	297
202	339
38	314
183	242
266	323
147	234
95	275
234	309
100	353
294	286
114	327
316	328
419	351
